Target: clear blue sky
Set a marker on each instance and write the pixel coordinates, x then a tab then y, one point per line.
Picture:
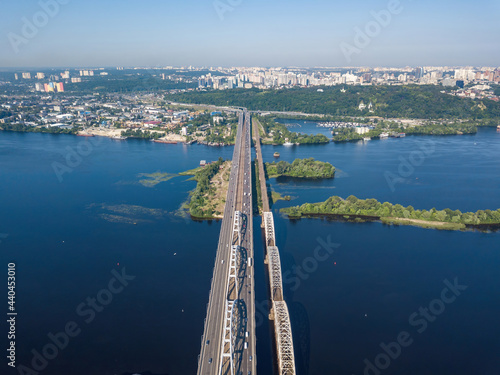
255	33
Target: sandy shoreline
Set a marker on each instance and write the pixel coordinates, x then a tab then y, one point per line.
113	133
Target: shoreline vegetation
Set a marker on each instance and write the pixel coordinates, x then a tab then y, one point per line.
276	133
207	200
300	168
363	210
428	128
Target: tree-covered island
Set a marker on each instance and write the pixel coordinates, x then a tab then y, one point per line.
361	210
300	168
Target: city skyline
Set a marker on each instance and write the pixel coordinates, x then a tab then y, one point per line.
215	33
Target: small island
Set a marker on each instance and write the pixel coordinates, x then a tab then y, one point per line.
207	201
361	210
301	168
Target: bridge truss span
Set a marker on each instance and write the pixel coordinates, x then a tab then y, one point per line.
283	332
269	229
275	278
227	363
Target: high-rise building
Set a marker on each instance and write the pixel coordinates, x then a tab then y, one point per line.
86	73
282	79
26	75
40	75
419	72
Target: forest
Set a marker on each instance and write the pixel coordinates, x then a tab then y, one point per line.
410	101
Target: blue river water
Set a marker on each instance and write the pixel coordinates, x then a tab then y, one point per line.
350	287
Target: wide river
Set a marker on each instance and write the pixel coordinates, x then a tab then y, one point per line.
104	255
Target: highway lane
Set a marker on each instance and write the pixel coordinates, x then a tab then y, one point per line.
212	337
238	199
248	358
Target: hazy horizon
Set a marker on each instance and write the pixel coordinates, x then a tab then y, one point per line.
252	33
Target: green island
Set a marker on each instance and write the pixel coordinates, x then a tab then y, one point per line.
207	200
300	168
361	210
276	197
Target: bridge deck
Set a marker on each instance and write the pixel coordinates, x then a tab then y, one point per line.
228	341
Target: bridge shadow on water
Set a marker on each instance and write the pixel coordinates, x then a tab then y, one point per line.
301	336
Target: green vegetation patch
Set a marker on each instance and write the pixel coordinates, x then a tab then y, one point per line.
301	168
200	206
278	197
409	101
129	133
191	172
370	209
154	179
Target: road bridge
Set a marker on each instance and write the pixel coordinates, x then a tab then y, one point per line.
228	341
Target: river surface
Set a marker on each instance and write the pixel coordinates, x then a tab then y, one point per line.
350	287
